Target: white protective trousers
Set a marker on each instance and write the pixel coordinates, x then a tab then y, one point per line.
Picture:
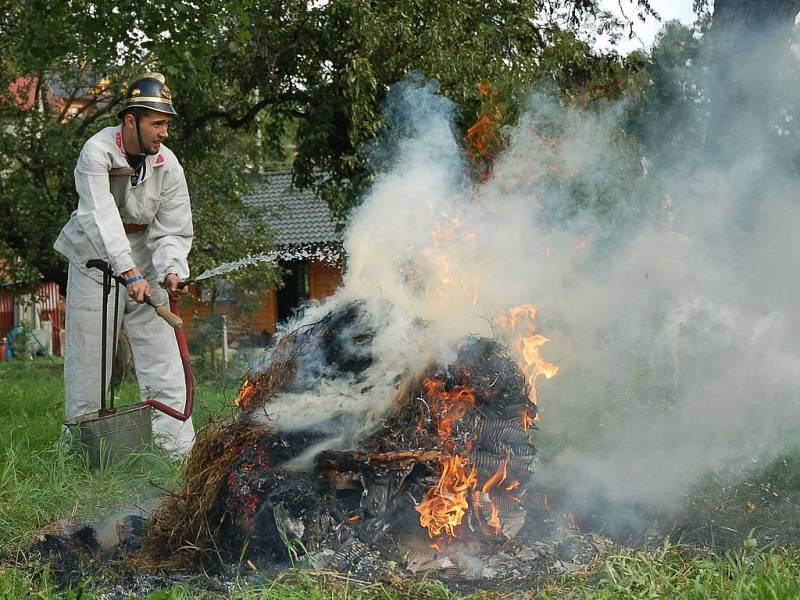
159	369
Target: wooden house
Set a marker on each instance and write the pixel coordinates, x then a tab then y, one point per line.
308	248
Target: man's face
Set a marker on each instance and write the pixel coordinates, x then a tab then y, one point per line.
154	128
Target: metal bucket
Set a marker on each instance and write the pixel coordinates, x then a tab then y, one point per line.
108	436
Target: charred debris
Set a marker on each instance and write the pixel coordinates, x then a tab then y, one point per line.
439	482
449	463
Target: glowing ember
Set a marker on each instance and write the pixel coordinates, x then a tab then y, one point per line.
444	505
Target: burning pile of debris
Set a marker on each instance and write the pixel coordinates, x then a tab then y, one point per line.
450	460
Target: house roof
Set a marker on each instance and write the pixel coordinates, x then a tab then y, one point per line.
298	217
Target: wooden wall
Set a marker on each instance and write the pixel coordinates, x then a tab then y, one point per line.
324	280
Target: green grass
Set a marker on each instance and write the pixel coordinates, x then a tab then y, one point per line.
757	574
42	482
754	574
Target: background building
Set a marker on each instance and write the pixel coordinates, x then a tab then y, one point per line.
308	249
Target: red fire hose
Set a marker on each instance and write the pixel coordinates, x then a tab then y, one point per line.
188	377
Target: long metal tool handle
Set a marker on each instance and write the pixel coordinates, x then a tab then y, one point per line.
114	342
161	310
104	339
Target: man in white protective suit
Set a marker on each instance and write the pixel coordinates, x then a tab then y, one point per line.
134	213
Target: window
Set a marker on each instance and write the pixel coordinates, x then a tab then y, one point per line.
296	287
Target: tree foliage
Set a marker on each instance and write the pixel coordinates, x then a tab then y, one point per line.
670	112
753	75
243	76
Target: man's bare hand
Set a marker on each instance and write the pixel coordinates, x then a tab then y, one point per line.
138	289
171	285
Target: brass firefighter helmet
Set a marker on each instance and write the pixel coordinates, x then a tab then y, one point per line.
148	91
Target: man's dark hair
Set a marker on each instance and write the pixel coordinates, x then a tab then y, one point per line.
136	111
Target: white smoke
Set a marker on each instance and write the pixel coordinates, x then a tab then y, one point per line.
670	305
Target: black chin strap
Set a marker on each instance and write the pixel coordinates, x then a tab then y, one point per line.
137	161
144	152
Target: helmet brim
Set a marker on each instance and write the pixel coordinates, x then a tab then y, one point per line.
162	107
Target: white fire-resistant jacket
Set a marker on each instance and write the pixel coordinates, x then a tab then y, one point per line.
160	200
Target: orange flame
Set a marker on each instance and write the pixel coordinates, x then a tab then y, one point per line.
494	519
514	315
497	478
444	505
483	139
527	346
535	365
527	421
448	229
447	406
570	519
243	397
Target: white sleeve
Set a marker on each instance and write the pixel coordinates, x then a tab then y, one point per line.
171	232
97	212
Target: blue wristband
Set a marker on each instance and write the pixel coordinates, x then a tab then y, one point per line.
134	278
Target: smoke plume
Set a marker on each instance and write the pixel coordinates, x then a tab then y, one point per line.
669	299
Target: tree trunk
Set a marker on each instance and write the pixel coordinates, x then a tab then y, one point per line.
750	52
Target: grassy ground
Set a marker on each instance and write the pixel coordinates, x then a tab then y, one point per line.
43	482
747	574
